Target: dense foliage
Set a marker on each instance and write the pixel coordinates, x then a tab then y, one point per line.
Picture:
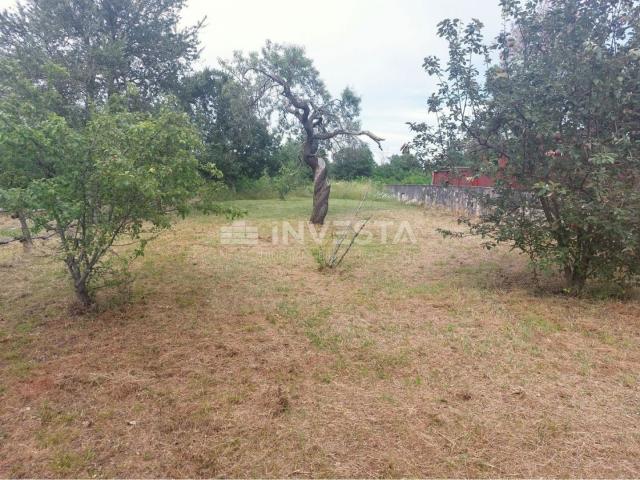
34	141
560	106
99	49
353	162
123	177
404	168
91	147
239	143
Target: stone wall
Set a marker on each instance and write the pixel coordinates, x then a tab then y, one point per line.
458	199
408	193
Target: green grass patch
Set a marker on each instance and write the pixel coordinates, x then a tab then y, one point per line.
300	208
65	462
9	233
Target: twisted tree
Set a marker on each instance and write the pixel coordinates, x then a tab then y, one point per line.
285	87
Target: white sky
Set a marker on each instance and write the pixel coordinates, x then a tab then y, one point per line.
374	46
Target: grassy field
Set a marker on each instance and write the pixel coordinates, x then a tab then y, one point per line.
430	359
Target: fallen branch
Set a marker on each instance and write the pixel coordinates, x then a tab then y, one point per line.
7	241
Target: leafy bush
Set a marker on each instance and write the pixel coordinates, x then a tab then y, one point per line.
559	111
125	175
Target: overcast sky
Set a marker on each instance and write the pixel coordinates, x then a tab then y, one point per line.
374	46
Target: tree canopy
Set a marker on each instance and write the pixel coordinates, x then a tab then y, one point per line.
403	168
560	107
353	162
90	50
236	139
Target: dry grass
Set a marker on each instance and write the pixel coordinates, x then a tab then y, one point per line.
437	359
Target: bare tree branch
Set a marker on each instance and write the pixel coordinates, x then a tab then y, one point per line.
366	133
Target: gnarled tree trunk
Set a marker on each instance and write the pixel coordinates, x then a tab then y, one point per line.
321	186
321	189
